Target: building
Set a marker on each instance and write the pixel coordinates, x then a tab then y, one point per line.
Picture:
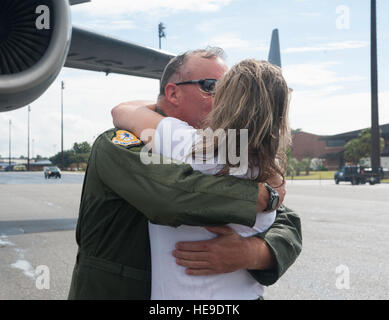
331	148
35	165
307	145
40	165
339	141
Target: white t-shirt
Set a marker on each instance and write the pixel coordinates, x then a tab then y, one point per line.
175	139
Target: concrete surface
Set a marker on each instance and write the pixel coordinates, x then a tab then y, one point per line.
345	230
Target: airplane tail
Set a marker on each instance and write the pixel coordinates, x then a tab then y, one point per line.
275	52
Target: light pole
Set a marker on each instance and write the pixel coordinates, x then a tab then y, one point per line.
9	154
28	139
62	89
32	149
161	33
375	129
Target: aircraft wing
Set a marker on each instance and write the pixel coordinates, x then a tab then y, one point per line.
97	52
73	2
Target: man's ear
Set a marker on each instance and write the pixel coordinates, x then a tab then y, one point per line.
172	94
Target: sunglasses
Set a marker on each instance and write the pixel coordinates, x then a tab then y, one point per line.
206	85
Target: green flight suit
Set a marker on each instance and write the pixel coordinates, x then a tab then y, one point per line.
121	194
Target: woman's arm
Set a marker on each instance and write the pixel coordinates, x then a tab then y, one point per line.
136	116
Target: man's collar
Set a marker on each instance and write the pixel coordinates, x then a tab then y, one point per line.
159	110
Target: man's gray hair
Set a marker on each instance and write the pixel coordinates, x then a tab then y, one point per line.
174	67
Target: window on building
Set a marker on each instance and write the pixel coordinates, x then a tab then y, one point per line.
336	143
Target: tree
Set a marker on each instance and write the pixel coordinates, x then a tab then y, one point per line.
79	158
305	164
81	153
83	147
318	165
360	147
352	152
292	168
77	155
295	131
67	158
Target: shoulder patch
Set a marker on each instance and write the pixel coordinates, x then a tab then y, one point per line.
125	138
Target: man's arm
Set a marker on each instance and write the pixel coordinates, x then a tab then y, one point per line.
284	240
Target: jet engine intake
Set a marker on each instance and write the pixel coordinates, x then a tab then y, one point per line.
35	37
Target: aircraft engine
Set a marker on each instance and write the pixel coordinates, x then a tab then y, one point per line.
35	37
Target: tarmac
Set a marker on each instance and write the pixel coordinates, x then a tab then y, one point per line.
345	236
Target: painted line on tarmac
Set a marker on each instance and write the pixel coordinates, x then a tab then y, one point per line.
21	263
4	242
9	228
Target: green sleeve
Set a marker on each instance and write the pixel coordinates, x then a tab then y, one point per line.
284	239
173	194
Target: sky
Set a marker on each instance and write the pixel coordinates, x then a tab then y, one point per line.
325	48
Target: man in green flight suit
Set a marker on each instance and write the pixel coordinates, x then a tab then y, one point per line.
121	194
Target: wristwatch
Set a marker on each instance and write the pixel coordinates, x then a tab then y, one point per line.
274	198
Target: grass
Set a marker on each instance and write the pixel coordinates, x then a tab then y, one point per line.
320	175
314	175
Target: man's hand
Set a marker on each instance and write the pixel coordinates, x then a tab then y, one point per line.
226	253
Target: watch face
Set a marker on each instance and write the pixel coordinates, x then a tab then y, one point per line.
275	202
274	199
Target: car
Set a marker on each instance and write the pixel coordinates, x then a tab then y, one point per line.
52	172
357	175
20	167
373	178
16	167
353	174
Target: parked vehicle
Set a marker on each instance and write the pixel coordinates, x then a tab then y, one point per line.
373	178
19	167
16	167
52	172
358	175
